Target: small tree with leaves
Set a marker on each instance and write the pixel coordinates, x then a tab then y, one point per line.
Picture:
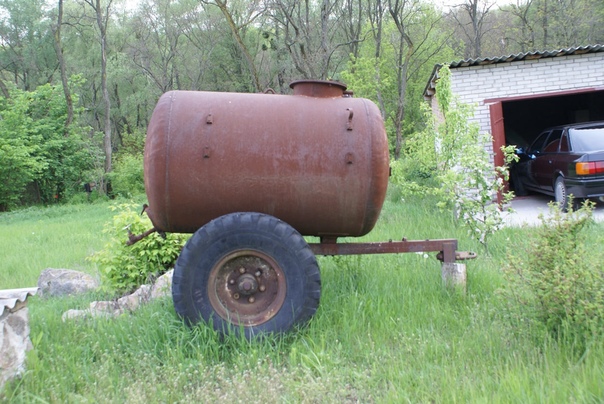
453	152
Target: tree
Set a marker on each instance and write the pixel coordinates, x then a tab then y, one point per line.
20	162
101	18
391	68
38	163
415	44
471	17
253	11
522	30
312	35
62	67
26	44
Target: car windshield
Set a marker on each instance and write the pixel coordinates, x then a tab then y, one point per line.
585	140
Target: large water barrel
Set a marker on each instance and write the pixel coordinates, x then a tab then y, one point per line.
317	159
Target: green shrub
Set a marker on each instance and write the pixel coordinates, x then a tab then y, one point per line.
448	161
127	177
124	268
555	283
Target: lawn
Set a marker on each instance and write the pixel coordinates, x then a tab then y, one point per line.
386	329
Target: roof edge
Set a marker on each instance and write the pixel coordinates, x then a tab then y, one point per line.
579	50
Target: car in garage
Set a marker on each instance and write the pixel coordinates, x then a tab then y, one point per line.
563	160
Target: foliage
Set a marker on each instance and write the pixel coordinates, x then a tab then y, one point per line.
127	177
391	70
383	50
554	282
449	160
27	54
124	268
36	149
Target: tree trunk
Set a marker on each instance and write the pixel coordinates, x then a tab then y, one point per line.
101	22
61	59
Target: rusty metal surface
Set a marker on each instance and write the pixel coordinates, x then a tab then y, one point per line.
318	88
317	161
459	256
247	288
446	248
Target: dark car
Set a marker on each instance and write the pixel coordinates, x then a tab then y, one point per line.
563	160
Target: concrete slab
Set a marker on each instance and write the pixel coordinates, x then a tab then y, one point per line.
528	208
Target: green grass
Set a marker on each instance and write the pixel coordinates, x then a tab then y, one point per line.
59	236
53	237
386	331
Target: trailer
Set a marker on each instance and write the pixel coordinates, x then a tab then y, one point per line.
250	175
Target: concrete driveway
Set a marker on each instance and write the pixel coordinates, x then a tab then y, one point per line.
528	208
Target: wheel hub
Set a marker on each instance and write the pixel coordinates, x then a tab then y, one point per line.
247	284
246	287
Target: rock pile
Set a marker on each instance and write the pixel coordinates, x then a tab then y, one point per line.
162	287
14	317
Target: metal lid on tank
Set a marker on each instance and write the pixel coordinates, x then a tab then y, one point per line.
318	88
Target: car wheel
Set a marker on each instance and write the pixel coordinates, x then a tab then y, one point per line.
561	195
519	188
247	272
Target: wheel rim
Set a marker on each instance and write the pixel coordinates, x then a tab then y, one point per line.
560	193
247	288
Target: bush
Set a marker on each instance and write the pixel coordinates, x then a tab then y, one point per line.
124	268
554	283
448	160
41	161
127	177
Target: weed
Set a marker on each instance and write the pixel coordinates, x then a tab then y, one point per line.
555	283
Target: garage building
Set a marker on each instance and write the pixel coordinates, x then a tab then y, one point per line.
519	95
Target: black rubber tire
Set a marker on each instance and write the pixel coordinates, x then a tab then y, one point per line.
231	251
518	186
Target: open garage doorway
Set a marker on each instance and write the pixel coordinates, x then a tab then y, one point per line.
518	121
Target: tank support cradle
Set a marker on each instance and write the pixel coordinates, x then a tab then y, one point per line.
453	273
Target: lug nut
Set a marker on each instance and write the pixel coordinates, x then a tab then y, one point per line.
252	299
262	288
242	270
236	296
232	281
258	273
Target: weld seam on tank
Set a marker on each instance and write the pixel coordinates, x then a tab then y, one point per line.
167	199
371	168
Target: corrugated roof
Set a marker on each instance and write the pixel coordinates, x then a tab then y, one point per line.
579	50
9	298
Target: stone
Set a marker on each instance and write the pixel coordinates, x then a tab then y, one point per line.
61	282
162	286
14	332
105	309
133	301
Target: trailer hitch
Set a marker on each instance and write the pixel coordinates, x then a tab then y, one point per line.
459	256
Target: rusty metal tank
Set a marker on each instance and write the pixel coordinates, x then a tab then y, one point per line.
317	159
